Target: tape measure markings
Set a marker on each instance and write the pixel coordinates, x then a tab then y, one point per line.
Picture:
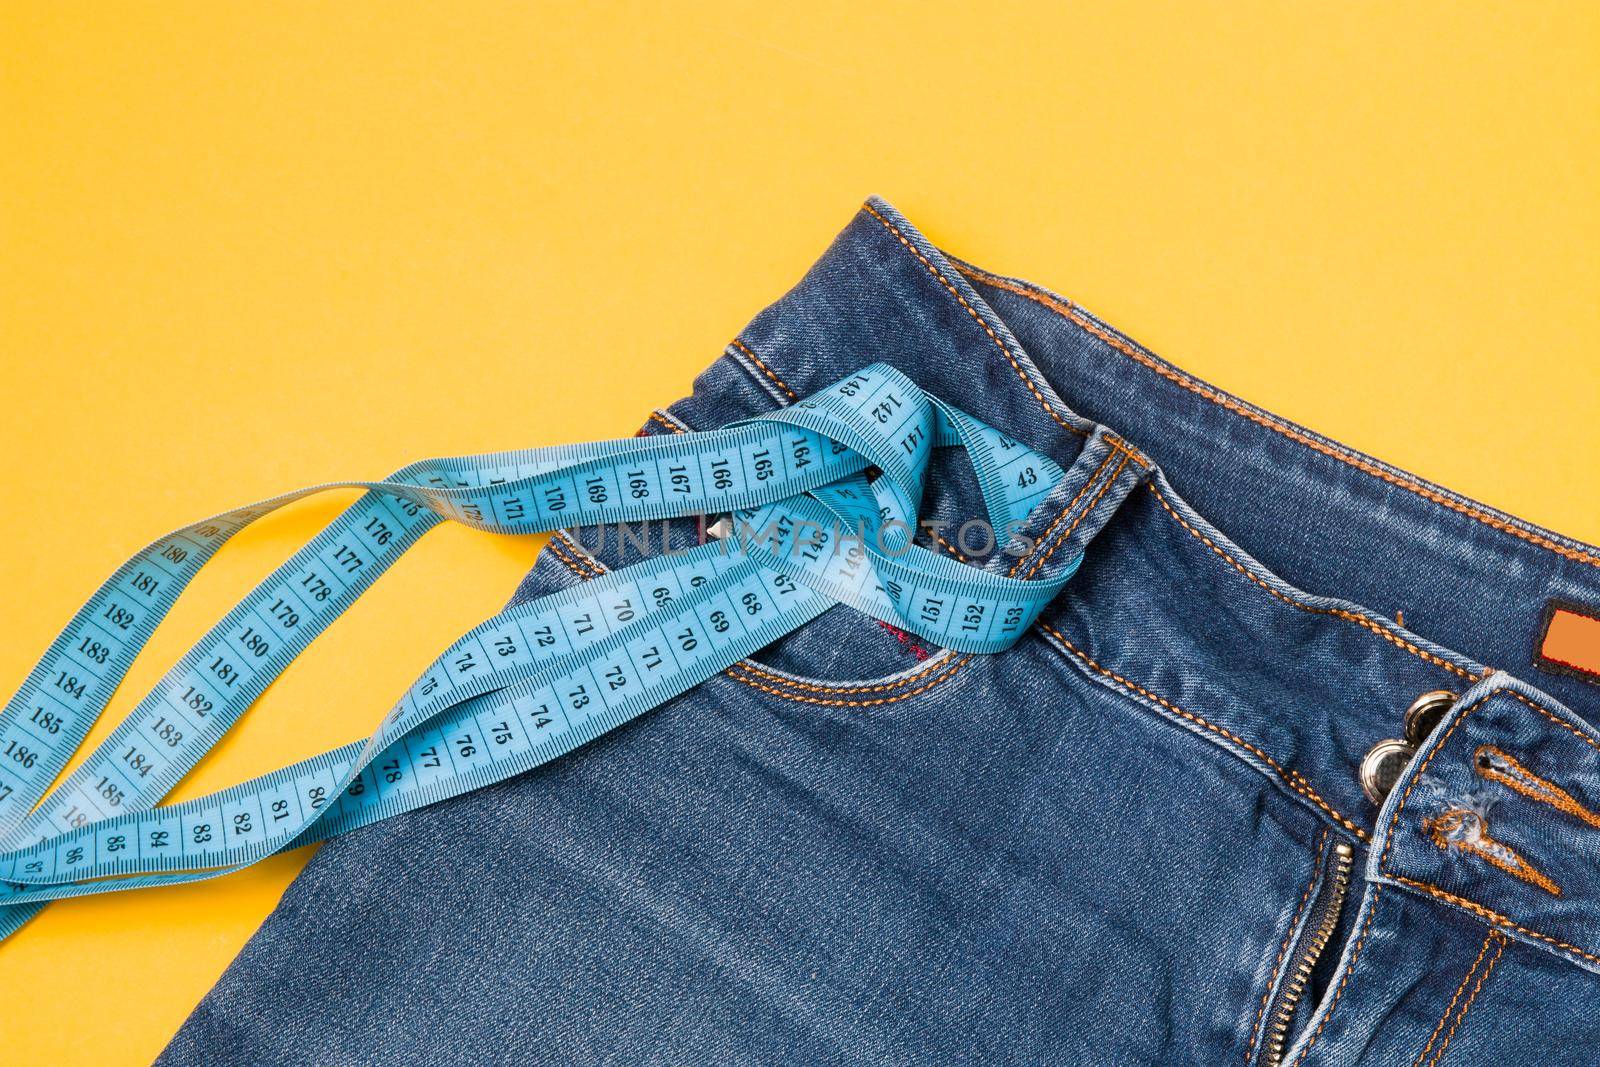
535	681
600	673
544	496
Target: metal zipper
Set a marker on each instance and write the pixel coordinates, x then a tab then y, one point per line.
1311	950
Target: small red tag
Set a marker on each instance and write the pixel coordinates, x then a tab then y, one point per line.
1571	642
915	647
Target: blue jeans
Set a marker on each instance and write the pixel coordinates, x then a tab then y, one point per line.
1140	836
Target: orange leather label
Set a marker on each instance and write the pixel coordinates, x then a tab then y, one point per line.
1571	642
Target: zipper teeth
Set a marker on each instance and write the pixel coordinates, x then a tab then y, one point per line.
1294	990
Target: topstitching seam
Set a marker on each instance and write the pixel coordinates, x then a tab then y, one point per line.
1070	312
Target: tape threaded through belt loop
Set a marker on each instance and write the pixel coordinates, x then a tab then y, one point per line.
539	679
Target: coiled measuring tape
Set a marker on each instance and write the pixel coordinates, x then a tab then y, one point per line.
530	684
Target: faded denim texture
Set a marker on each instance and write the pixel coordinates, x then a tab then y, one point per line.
1103	846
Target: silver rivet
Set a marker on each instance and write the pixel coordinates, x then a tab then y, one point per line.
1425	712
1382	766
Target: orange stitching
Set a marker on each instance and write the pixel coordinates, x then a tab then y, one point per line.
1116	446
1531	785
1462	988
1547	713
556	552
1295	780
1468	831
1071	313
1433	890
1355	955
580	566
581	554
1340	613
993	336
963	661
781	384
1086	324
1266	994
567	541
1492	916
852	703
1394	823
656	416
1139	458
1037	564
1465	714
1085	513
576	566
576	563
1064	512
578	552
1482	978
794	683
953	550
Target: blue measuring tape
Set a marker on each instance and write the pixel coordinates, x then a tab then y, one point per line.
811	529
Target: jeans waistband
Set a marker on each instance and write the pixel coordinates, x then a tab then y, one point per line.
1498	814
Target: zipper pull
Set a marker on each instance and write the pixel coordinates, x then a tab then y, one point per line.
1297	979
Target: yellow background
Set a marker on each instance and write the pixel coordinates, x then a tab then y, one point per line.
248	247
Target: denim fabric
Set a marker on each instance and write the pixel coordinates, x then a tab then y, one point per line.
1106	845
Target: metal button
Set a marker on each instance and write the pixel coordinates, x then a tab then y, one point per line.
1382	766
1425	712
